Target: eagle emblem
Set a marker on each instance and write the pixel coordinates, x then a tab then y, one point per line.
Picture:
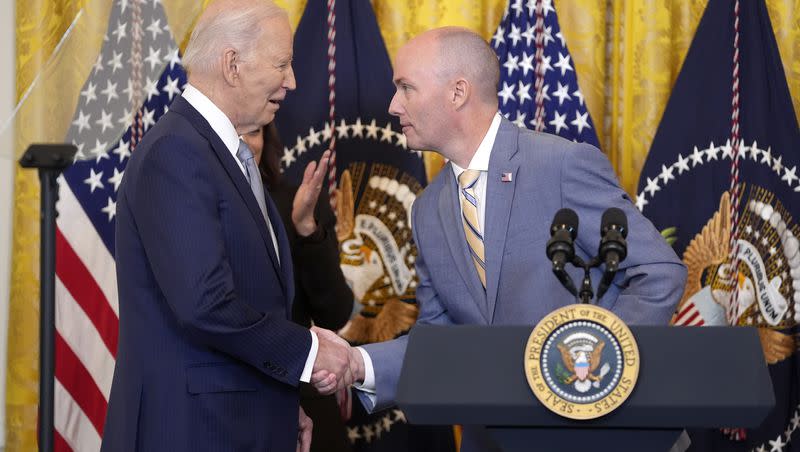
767	246
581	361
581	354
377	252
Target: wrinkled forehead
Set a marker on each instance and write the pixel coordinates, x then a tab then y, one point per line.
276	36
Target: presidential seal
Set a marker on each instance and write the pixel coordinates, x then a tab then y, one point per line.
581	361
767	279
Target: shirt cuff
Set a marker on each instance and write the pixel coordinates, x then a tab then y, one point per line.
305	377
368	386
369	373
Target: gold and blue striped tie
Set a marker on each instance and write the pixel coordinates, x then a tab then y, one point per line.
469	217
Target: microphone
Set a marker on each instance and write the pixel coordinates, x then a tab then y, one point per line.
613	247
560	248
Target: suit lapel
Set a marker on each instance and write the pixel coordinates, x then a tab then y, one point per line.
287	272
450	214
181	106
499	195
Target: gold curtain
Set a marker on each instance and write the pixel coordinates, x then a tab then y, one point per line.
627	54
55	79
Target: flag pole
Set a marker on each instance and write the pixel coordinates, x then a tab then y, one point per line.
50	159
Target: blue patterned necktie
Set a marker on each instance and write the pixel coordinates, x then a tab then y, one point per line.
245	155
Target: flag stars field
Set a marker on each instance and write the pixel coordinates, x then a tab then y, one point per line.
563	110
101	130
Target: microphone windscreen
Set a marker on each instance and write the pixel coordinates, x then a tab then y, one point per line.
614	217
566	218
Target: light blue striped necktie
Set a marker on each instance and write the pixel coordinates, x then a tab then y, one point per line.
245	155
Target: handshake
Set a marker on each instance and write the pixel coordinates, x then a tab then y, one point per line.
338	365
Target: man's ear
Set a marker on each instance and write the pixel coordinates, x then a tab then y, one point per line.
231	66
461	92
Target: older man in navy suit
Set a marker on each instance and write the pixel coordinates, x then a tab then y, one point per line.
208	357
481	226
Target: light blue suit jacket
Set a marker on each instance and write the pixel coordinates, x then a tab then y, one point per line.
548	173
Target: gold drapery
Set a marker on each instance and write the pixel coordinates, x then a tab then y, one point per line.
627	54
46	115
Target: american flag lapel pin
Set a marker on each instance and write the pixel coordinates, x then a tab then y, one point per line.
507	177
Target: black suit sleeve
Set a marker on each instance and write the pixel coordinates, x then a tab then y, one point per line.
321	294
328	298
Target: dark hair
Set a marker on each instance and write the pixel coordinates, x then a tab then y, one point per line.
270	165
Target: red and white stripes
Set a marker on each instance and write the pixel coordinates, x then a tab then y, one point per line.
87	327
137	29
736	434
332	100
688	316
538	118
734	187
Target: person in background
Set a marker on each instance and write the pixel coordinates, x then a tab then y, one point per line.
322	297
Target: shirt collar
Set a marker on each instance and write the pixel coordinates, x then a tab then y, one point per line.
480	161
220	123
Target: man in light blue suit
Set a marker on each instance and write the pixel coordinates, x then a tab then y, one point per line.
481	226
208	357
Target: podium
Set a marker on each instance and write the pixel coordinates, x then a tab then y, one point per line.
689	377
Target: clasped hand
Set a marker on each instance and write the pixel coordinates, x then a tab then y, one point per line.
337	365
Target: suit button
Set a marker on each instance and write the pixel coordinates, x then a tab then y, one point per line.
268	365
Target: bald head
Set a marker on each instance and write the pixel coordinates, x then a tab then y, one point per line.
227	24
446	96
463	53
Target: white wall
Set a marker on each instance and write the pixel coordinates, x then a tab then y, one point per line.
7	97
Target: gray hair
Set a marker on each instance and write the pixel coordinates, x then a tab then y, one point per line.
237	27
464	53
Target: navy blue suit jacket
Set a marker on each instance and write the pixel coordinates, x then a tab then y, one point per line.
208	358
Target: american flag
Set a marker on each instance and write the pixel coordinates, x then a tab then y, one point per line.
538	86
137	70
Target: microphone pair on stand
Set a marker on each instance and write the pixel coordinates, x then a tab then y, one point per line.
612	250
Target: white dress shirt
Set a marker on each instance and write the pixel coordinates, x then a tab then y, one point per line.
223	127
480	162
